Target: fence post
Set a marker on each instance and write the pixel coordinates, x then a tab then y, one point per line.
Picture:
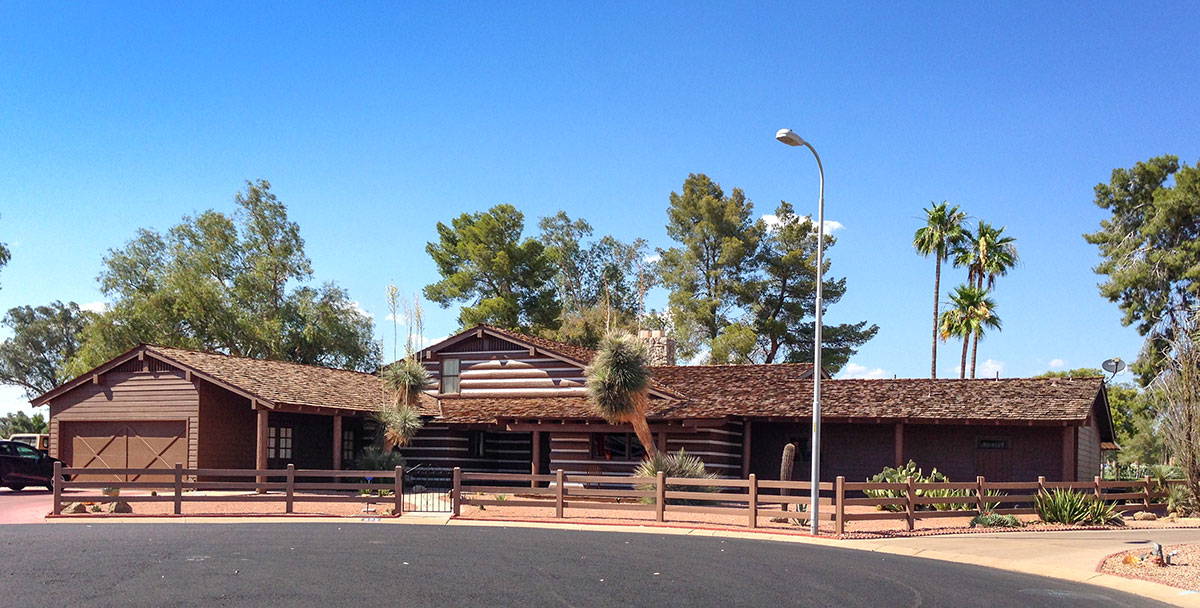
289	501
558	493
1096	487
1146	498
179	488
398	492
753	500
456	492
839	491
909	508
660	497
58	481
533	470
1041	484
980	493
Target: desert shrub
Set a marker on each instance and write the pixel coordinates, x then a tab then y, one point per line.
1179	500
1075	508
378	458
901	474
988	519
678	464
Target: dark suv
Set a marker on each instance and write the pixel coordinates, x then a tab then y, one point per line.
21	465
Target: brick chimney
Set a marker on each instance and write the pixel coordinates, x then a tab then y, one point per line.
659	347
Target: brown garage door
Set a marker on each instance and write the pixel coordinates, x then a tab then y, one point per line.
124	445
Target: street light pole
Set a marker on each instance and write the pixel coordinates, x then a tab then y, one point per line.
788	137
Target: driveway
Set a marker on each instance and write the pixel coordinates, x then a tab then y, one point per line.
29	506
364	564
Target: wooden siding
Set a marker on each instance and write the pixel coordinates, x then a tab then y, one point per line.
440	447
226	436
511	374
720	448
1087	455
130	396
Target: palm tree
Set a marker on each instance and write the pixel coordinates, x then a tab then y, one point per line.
987	254
971	313
941	236
403	382
618	384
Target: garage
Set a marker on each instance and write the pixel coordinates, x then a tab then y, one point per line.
149	444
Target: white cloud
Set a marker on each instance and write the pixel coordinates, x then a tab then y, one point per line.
425	341
96	307
360	310
989	369
396	318
772	222
854	371
652	259
1056	363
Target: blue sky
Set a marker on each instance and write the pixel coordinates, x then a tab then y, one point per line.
375	121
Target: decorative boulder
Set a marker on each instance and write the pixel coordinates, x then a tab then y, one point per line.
119	507
75	507
419	489
1144	516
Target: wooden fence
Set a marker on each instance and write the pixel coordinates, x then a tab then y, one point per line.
908	502
171	485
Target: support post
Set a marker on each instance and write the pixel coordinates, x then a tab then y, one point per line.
1096	487
660	497
290	499
1068	454
260	459
535	457
753	502
1145	499
909	507
558	494
1041	484
746	431
456	492
899	444
980	493
661	441
839	514
58	488
337	442
398	492
179	488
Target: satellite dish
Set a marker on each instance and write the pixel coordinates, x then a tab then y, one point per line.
1113	366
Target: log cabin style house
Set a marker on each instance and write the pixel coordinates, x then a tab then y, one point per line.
505	401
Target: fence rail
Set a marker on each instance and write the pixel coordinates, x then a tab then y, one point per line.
176	480
906	501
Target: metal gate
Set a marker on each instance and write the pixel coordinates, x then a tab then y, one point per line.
427	490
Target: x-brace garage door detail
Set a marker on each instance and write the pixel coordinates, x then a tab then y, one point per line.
125	445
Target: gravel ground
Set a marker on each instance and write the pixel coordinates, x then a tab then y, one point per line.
336	509
1183	573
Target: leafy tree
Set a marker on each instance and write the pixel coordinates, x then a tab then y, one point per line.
971	313
708	272
781	298
20	422
941	236
618	384
5	256
737	343
563	240
1151	251
507	281
986	254
230	284
44	339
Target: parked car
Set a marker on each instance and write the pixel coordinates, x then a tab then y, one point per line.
39	441
21	465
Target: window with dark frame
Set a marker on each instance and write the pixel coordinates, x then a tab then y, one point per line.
450	371
476	444
347	445
617	446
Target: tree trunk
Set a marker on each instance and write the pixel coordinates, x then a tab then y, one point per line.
962	367
937	291
974	352
641	427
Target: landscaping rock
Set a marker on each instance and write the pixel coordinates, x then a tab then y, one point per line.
75	507
119	507
1144	516
419	489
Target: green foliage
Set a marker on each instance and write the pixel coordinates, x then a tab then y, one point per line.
737	343
986	254
43	340
706	274
941	235
618	376
1151	250
678	464
910	469
20	422
1075	508
1180	500
405	380
228	284
504	280
970	314
400	424
378	458
5	255
988	519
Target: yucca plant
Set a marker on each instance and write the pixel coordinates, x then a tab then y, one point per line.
618	384
405	379
400	424
678	464
1075	508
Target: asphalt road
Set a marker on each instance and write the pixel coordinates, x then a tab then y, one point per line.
322	565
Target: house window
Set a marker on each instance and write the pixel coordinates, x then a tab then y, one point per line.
449	376
347	445
993	444
617	446
279	443
476	444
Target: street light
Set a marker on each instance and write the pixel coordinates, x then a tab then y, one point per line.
788	137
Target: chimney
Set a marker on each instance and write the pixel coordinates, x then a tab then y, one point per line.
660	348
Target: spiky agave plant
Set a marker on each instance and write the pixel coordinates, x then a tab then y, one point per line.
405	379
677	464
618	383
400	424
